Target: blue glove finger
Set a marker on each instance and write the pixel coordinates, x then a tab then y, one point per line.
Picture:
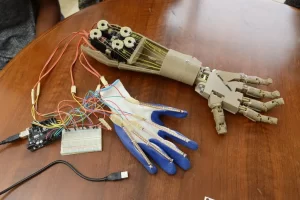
132	149
168	166
155	116
181	160
189	143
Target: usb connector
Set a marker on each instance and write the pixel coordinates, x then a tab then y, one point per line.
24	134
124	174
16	137
117	176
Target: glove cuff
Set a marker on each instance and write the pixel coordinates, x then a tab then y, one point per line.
116	89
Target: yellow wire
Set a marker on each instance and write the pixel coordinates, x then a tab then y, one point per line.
147	61
147	65
159	50
155	53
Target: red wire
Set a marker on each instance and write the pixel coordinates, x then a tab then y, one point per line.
54	64
54	53
87	66
118	108
74	61
90	65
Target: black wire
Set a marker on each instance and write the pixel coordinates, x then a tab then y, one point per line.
11	139
47	167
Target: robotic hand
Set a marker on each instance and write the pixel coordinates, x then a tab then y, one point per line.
120	47
142	132
226	90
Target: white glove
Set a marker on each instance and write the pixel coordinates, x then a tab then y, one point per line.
142	132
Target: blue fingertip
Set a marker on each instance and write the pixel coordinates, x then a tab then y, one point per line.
179	159
176	114
131	148
190	144
155	116
193	145
165	164
151	169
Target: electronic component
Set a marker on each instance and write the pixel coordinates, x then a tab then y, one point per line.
83	140
102	25
125	31
15	137
129	42
117	44
98	45
95	34
40	136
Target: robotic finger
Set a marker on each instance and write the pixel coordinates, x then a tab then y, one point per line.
261	106
230	76
215	103
256	80
258	93
255	116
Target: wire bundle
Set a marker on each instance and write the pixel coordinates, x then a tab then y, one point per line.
76	112
90	110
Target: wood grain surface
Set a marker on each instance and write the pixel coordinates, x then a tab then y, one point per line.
253	161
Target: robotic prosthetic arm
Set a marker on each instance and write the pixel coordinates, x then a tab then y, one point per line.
119	47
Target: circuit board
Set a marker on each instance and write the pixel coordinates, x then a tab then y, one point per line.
40	136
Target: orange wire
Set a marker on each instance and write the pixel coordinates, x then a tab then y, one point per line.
87	66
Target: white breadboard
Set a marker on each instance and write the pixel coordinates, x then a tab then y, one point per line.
81	141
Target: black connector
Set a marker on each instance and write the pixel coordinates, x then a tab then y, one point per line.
11	139
117	176
16	137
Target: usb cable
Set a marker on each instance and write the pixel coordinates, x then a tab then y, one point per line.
116	176
16	137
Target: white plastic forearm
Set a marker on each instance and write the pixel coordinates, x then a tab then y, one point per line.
180	67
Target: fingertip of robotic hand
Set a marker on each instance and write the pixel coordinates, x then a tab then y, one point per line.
269	81
276	93
280	101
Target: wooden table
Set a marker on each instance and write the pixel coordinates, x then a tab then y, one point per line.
253	161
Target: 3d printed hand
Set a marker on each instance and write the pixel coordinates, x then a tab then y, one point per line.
120	47
226	90
142	132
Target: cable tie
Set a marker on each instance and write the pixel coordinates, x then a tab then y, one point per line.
98	88
104	123
32	96
73	89
104	82
38	89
